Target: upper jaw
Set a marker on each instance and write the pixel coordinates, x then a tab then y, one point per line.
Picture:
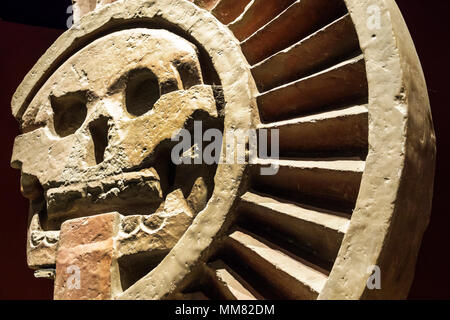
129	193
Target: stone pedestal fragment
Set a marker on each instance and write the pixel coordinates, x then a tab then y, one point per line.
84	261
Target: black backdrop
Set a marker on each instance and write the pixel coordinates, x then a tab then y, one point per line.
27	29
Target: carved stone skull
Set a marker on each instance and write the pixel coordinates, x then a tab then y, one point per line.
97	139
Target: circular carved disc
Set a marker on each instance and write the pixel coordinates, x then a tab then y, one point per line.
342	84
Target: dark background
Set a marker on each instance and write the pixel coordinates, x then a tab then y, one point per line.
28	28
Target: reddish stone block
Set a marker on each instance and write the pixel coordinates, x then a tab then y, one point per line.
84	261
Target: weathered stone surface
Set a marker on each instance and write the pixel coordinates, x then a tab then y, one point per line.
41	245
155	233
86	250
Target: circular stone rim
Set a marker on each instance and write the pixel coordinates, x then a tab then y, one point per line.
394	203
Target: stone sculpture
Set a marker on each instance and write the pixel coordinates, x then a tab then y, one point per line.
111	215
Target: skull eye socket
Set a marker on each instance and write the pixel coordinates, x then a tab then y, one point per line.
69	112
142	92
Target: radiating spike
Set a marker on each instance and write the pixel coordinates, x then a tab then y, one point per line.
320	50
256	15
227	11
317	230
229	284
335	86
320	182
298	21
338	133
293	278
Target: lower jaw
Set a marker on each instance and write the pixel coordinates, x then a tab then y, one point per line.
137	243
54	219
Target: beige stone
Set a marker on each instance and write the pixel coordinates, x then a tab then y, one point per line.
155	233
41	245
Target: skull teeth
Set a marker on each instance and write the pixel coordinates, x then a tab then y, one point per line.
105	195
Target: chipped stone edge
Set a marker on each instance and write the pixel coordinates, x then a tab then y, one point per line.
394	203
241	112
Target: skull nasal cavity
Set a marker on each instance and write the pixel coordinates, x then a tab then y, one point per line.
99	132
69	112
142	91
